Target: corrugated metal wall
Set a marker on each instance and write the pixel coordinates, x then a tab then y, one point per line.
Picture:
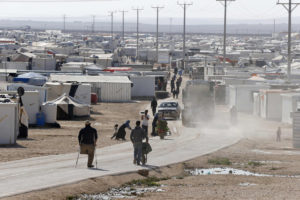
112	92
296	129
143	86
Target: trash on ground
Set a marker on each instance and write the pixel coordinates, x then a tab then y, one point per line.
120	193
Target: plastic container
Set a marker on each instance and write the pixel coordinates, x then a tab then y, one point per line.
94	98
40	119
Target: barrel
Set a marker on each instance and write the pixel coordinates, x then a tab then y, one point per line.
94	98
40	119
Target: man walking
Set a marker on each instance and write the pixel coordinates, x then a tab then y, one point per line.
172	84
87	139
137	135
153	105
145	118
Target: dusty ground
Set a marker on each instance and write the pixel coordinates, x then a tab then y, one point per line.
258	152
43	142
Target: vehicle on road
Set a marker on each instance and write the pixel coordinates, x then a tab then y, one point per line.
199	102
170	109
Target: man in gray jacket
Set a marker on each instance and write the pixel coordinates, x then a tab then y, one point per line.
137	135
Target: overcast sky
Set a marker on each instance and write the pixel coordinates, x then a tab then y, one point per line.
240	9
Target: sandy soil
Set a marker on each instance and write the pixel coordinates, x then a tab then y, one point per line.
259	146
45	141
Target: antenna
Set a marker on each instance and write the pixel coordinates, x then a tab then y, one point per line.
157	8
225	3
184	6
137	30
290	7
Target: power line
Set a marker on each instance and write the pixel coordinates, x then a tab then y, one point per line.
137	30
290	7
184	6
225	28
157	8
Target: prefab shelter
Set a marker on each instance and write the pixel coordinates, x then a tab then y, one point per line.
107	88
9	123
289	105
68	108
256	104
241	96
80	91
271	104
143	86
42	90
296	129
31	101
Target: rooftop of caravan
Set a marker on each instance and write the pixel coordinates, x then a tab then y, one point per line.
90	79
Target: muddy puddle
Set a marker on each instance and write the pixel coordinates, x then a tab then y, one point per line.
232	171
121	193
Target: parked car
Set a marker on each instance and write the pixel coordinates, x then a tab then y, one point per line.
170	109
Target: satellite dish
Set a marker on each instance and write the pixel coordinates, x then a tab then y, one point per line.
21	91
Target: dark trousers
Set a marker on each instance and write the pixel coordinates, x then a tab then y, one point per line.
145	128
23	131
137	154
153	110
88	149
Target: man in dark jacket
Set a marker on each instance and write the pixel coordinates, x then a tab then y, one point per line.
173	84
153	105
137	135
87	139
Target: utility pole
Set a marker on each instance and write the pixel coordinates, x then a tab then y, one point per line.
274	28
93	23
225	4
290	7
123	24
171	24
64	18
157	24
184	6
137	31
112	29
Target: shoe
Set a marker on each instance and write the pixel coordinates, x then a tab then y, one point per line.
90	166
138	163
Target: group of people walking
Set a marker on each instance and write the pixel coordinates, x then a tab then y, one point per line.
175	90
88	136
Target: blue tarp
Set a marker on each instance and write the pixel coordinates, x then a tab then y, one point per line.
31	78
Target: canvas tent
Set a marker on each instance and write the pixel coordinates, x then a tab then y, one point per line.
80	92
68	108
